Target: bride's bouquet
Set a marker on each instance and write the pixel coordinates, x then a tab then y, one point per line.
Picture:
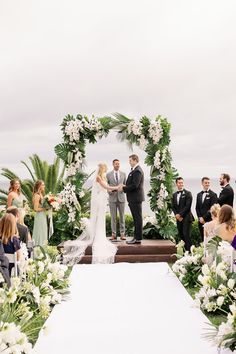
51	201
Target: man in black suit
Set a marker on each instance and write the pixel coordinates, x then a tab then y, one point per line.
205	199
227	194
135	196
181	206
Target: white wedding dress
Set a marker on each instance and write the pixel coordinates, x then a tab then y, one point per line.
103	251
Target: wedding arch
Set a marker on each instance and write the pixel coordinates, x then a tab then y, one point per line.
150	135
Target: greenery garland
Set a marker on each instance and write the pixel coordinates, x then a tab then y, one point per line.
152	136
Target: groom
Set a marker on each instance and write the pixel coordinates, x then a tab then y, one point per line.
135	196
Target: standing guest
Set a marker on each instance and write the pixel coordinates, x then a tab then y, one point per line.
23	230
117	199
210	230
205	199
4	266
15	198
9	237
181	206
227	194
135	196
40	230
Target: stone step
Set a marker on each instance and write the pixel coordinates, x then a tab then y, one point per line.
136	258
147	247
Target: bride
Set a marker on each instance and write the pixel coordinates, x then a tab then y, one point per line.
103	251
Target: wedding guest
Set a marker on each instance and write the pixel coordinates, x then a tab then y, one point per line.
9	237
117	200
40	230
4	266
23	230
181	206
210	230
15	198
205	199
227	225
227	194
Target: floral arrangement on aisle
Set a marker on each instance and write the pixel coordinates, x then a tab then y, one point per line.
188	265
28	302
216	287
151	135
217	282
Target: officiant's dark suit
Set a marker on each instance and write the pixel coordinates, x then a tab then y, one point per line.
226	196
135	196
181	204
205	199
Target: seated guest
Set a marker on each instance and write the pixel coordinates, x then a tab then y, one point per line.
23	230
227	225
4	266
210	230
227	194
9	237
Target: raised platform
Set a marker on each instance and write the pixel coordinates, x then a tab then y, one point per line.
148	251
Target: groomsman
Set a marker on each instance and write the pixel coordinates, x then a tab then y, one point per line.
181	206
205	199
117	199
227	194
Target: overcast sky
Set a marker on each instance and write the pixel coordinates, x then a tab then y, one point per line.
171	57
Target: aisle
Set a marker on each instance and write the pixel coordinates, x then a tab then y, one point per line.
125	309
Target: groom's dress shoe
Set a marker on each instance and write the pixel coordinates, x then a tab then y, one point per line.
133	242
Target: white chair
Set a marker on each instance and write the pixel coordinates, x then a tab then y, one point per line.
12	258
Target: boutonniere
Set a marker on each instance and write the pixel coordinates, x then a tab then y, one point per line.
183	193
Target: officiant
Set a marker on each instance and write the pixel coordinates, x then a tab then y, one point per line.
117	200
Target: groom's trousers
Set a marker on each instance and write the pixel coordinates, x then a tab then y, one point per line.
136	211
120	206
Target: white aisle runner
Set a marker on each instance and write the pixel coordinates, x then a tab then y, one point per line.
125	308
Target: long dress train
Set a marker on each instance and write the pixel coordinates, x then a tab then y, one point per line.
103	251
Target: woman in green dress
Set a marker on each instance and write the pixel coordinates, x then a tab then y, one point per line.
15	198
40	230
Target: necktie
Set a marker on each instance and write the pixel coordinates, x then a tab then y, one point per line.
116	176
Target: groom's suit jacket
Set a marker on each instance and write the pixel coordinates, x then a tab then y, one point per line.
115	197
134	186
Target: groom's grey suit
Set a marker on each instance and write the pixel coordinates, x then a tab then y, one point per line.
117	201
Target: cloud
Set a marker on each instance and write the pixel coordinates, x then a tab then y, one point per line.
175	58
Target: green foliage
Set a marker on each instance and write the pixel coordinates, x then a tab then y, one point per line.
39	169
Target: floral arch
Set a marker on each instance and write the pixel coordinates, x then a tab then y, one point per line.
151	135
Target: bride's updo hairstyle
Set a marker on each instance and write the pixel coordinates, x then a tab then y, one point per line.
102	169
227	216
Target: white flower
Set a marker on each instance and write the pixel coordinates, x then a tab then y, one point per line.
220	301
143	142
134	127
205	269
155	132
157	160
36	294
81	194
40	265
231	283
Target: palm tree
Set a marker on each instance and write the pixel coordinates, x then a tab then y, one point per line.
50	174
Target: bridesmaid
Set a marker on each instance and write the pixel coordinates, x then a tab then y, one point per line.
15	198
40	230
